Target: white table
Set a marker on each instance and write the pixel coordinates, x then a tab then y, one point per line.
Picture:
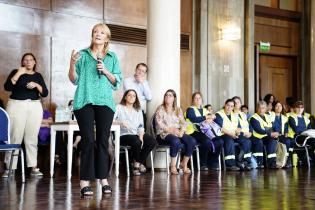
70	127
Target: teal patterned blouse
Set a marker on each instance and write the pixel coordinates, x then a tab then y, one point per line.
90	88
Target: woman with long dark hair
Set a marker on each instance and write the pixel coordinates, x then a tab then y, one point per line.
129	116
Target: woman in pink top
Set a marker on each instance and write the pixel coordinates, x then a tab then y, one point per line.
170	130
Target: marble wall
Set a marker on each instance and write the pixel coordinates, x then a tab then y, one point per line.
52	28
221	62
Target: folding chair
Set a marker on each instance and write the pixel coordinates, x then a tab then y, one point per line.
166	149
124	149
6	146
303	146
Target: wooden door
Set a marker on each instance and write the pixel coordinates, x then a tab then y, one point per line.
276	76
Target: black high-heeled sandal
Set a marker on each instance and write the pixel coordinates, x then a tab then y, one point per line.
86	191
106	189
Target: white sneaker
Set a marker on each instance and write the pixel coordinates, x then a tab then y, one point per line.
36	172
6	173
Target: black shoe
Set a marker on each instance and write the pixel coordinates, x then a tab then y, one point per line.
106	189
232	168
204	168
86	191
248	167
273	166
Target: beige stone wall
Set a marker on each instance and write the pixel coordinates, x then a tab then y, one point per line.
52	28
221	62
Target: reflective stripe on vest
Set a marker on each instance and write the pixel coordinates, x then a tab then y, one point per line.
273	155
258	154
263	124
229	157
295	117
191	128
230	125
243	121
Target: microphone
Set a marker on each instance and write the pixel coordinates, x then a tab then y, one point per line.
99	61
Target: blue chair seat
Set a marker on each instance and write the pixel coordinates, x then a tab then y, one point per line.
10	146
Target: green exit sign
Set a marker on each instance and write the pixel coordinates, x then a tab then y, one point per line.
264	46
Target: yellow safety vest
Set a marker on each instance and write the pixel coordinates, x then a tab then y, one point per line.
243	121
191	128
295	117
271	115
308	115
263	124
284	120
230	125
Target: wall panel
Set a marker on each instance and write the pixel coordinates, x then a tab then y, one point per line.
133	13
87	8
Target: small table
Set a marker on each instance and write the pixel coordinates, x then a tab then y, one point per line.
70	127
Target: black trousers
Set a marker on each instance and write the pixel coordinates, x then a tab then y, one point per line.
94	152
209	149
137	153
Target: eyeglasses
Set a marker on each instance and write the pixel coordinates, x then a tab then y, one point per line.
142	71
169	95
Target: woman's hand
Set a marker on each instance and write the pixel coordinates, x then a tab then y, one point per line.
274	134
32	85
21	71
101	67
248	134
75	56
125	124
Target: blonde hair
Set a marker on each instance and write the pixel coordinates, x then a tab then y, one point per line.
107	32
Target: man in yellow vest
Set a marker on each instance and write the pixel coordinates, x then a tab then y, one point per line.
263	135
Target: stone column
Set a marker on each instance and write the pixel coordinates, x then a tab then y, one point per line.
163	53
249	66
163	45
312	57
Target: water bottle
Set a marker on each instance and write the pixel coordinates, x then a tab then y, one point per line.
58	114
294	159
67	114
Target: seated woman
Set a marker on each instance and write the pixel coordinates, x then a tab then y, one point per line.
208	147
44	131
244	139
170	129
280	125
299	123
263	134
129	116
230	132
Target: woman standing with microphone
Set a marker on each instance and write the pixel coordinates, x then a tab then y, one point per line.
96	72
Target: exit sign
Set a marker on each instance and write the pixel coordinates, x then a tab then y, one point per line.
264	46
